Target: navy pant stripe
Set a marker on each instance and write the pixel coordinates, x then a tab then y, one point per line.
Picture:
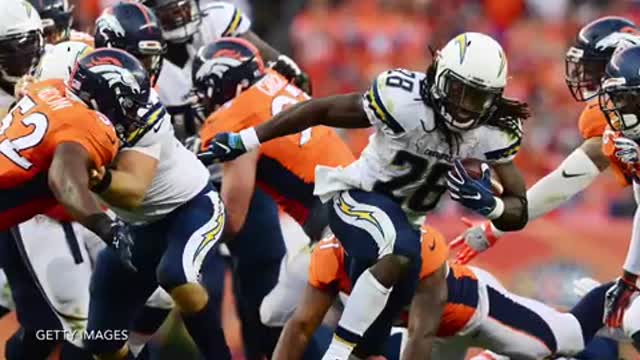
72	241
520	318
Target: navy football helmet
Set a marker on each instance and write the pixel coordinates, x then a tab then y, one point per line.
585	61
222	67
179	19
116	84
56	19
619	97
133	28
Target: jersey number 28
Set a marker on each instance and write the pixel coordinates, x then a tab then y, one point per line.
36	122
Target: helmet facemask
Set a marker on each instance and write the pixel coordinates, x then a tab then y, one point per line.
179	19
123	105
621	107
463	103
583	74
20	54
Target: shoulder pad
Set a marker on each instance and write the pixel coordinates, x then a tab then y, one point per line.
394	101
226	19
500	145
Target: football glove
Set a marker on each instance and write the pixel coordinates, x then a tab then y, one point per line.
122	243
288	68
477	238
471	193
617	299
627	151
224	147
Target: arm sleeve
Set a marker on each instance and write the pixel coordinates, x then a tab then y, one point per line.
573	175
226	19
632	262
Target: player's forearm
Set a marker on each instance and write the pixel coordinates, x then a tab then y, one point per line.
125	190
69	181
342	111
514	216
293	341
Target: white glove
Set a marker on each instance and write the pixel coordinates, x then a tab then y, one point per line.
627	151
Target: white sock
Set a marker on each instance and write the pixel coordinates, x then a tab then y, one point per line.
367	300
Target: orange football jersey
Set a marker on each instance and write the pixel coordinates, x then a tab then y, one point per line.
286	168
29	136
592	124
328	272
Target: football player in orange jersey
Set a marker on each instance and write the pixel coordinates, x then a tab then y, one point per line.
585	63
231	80
479	311
618	100
284	171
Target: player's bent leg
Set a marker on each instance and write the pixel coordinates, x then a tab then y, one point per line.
193	231
117	295
374	230
149	320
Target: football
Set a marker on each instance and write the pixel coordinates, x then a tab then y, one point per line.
474	169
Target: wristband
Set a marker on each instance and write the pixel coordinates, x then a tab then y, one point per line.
498	210
104	184
250	139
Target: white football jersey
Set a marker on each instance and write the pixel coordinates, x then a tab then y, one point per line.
220	19
179	177
407	156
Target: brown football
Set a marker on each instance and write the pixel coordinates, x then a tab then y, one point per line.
473	167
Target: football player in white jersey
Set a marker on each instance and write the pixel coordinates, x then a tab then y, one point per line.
424	123
187	25
161	188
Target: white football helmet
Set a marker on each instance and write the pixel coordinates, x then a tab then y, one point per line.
471	73
21	40
59	61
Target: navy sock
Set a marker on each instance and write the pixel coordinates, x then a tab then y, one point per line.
205	328
590	311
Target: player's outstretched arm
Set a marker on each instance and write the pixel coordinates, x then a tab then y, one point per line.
573	175
425	314
69	182
298	330
128	178
342	111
